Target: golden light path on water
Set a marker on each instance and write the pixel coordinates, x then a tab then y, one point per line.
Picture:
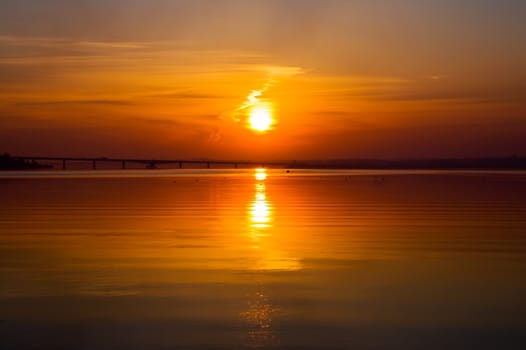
261	211
261	174
263	234
261	311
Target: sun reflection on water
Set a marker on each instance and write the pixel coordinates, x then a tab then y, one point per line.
261	174
270	253
260	210
260	316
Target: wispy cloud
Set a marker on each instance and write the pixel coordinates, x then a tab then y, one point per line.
275	74
188	95
432	88
75	102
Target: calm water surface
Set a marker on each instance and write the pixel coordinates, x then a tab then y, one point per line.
250	259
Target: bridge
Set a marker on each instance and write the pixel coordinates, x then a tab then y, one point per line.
150	163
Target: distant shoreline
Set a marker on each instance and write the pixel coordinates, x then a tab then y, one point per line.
504	163
8	162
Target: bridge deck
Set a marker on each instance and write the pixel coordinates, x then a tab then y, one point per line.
150	162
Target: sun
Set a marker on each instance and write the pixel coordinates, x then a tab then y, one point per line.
260	117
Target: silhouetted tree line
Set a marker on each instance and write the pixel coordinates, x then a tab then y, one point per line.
9	163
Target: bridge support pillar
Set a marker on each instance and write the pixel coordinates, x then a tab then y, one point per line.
208	165
94	164
63	164
123	164
180	165
235	165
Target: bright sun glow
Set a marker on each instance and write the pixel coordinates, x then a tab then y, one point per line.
260	117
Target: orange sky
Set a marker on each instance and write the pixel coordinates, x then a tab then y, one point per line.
346	79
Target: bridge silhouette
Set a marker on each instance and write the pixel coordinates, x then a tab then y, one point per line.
149	163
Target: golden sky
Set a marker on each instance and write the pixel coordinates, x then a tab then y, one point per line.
344	79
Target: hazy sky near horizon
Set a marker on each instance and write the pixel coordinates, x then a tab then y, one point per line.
159	78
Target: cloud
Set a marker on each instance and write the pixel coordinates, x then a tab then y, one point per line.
428	88
76	102
189	95
275	74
